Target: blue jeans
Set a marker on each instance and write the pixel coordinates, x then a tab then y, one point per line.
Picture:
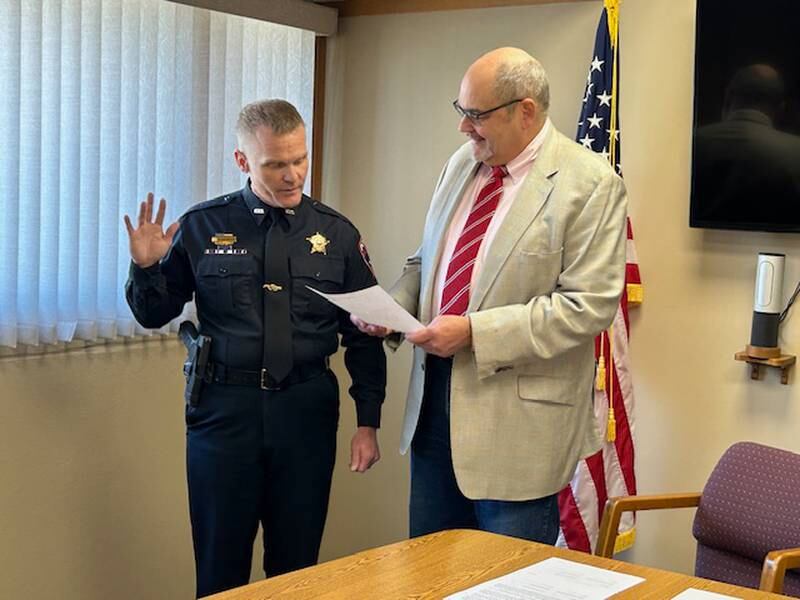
436	501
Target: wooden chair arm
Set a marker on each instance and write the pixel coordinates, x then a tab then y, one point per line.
774	570
616	506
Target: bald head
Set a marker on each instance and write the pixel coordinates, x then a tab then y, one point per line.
511	73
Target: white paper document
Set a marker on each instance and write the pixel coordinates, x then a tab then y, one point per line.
552	579
695	594
374	305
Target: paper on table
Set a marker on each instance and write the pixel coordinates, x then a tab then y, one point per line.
374	305
695	594
552	579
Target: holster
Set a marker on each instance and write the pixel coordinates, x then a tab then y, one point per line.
196	368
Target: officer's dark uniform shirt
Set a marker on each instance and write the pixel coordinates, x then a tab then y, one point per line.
226	279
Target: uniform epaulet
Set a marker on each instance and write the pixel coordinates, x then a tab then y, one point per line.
325	209
218	201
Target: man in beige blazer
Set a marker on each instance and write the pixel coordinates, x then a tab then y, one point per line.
499	407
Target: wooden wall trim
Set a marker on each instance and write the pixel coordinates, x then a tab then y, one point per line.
354	8
320	18
318	120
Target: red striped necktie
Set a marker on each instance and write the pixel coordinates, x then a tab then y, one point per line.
455	292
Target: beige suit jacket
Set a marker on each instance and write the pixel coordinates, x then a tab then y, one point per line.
521	396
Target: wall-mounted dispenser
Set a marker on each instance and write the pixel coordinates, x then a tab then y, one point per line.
767	306
768	313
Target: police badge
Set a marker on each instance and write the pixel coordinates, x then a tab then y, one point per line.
319	243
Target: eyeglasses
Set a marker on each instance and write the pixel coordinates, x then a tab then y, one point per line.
476	116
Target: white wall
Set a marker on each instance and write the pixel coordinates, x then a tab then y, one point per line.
92	482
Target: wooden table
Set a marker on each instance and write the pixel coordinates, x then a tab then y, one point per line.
442	563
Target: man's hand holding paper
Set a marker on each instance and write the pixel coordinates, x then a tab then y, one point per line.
378	313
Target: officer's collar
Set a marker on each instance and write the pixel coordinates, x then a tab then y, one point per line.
260	209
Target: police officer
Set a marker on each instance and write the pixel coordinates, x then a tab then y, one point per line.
261	442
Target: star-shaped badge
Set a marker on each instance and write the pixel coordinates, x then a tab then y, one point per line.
319	243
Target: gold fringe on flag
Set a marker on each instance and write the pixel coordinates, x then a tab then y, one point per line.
625	540
635	293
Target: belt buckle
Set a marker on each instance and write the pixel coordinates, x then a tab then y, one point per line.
267	382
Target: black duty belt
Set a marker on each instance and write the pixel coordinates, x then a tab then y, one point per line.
262	379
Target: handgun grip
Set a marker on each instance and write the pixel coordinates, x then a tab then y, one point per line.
188	333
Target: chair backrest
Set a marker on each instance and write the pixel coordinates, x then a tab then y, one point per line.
750	506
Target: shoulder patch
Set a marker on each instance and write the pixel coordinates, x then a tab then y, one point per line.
362	248
214	202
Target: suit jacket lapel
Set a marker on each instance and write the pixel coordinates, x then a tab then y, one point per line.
529	201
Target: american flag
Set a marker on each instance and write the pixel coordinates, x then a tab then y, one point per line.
609	472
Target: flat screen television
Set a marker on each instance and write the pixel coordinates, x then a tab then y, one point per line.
746	133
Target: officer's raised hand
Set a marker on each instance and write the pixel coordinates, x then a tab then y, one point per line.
149	242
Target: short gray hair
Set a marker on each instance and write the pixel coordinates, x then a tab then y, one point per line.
279	115
523	79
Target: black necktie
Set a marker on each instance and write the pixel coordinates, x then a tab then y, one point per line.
277	288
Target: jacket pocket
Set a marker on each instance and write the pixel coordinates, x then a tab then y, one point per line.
541	388
539	271
328	269
323	273
226	279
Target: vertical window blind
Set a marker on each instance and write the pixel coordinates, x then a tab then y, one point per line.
102	101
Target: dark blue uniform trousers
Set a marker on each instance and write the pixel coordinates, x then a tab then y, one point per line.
436	501
256	456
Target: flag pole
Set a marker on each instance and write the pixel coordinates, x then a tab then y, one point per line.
612	14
